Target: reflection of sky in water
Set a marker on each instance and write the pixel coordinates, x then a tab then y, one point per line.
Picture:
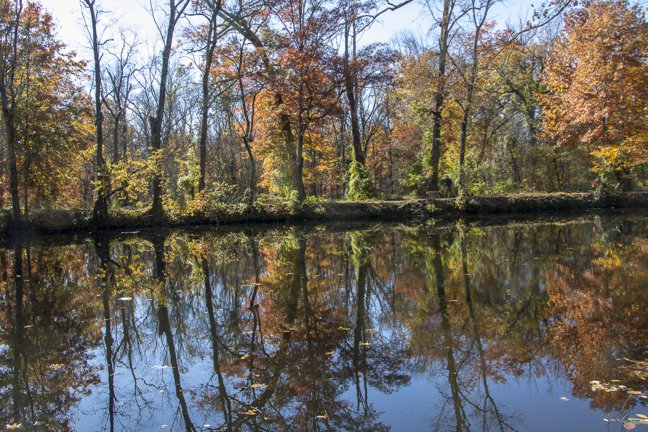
493	344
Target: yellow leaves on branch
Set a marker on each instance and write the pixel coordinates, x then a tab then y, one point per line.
596	85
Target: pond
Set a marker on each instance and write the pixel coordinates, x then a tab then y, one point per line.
532	325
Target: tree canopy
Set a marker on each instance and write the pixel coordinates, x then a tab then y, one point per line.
251	100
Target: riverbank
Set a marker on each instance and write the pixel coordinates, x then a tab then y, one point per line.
396	210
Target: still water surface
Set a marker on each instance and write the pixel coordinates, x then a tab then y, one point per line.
514	326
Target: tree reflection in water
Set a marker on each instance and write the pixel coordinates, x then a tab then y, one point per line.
296	329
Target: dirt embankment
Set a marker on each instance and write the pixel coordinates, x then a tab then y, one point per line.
398	210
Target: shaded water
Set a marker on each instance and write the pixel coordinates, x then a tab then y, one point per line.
388	328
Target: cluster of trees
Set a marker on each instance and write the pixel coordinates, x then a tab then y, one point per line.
282	97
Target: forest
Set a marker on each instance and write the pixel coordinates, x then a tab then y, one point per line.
251	103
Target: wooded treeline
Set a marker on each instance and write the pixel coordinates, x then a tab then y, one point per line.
256	101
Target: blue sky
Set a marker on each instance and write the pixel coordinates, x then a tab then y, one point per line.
134	15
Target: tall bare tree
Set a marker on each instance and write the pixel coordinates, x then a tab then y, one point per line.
100	210
118	89
176	9
210	9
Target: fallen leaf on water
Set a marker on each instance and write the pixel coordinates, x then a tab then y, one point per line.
365	344
330	353
258	385
634	392
629	426
13	426
249	413
324	416
244	356
344	328
643	416
125	298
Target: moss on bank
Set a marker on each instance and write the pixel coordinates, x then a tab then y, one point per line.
397	210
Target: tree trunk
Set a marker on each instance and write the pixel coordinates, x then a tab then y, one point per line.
252	180
204	121
439	99
299	174
115	143
472	80
7	96
358	153
175	12
100	211
10	128
351	90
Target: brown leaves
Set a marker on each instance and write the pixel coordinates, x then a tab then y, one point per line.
595	98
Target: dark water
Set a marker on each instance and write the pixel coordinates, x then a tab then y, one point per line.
389	328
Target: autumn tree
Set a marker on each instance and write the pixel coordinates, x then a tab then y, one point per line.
210	10
596	88
100	210
44	110
478	16
452	12
307	84
362	69
248	91
174	13
10	62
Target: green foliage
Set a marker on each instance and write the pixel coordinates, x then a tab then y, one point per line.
359	184
463	203
130	178
276	204
415	180
360	242
432	209
314	204
189	181
614	166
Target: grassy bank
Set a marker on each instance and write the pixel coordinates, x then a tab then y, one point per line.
397	210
